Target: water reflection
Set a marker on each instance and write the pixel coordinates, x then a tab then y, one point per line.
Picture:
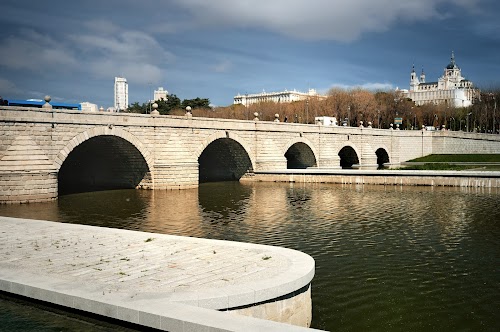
174	210
387	257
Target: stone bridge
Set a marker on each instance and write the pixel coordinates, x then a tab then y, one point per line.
45	152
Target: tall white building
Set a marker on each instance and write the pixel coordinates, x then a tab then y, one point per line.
121	94
277	97
451	88
160	94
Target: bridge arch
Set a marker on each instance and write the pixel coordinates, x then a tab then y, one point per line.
103	158
382	156
349	155
300	154
224	156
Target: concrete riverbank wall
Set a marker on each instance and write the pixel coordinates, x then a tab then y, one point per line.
166	282
384	177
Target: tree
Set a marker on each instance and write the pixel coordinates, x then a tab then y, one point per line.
137	108
196	103
167	106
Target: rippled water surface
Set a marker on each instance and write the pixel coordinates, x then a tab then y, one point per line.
387	258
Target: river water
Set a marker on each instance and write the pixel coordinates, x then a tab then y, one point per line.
388	258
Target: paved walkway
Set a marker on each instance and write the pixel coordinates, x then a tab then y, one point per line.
129	275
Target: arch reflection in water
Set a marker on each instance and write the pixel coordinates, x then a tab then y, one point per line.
224	206
110	208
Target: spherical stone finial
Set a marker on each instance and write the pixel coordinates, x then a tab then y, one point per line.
256	116
101	109
369	124
391	126
276	117
188	109
47	100
361	124
397	126
155	111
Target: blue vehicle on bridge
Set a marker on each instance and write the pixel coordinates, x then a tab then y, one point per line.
39	103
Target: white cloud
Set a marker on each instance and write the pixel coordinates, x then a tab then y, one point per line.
319	19
223	66
132	54
8	87
102	48
34	51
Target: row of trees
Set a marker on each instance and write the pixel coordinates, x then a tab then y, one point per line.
380	108
172	105
350	106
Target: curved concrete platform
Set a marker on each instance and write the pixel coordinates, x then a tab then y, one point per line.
162	281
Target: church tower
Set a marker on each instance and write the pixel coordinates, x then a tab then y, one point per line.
452	74
422	76
413	80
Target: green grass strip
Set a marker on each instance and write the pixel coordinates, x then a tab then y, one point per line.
468	158
436	167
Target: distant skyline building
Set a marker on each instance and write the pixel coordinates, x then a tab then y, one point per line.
121	94
160	94
451	88
276	97
87	106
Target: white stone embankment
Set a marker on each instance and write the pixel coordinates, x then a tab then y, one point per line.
166	282
484	179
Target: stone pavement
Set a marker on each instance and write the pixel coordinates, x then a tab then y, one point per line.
145	277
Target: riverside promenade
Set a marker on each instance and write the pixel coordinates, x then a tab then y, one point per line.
161	281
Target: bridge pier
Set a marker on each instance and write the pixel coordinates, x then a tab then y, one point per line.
270	164
368	158
175	176
331	162
27	187
26	173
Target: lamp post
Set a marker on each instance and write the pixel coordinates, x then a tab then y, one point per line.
453	123
246	103
467	122
151	101
378	122
307	110
349	115
415	121
494	111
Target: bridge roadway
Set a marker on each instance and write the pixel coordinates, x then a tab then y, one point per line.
166	282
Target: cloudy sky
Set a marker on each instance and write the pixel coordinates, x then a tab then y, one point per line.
72	50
